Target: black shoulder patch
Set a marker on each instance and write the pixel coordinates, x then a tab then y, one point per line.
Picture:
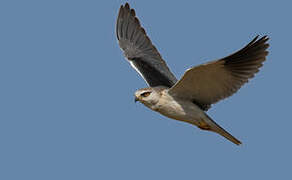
153	76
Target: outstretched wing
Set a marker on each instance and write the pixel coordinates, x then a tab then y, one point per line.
208	83
139	50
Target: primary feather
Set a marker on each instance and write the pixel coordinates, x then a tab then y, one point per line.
140	51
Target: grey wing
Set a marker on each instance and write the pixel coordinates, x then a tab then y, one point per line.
139	50
208	83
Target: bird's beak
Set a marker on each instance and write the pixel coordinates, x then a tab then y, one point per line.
136	99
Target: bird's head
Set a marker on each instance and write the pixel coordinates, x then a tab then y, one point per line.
148	96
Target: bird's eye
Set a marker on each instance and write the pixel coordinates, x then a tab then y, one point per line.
145	94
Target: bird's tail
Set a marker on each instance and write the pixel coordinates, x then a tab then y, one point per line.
213	126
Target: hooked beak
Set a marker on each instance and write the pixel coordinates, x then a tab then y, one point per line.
136	99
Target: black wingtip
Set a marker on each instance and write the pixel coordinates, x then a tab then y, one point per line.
254	39
264	38
262	41
127	6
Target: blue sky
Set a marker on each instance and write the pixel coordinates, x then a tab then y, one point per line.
66	96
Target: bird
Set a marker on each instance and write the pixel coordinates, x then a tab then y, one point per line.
189	98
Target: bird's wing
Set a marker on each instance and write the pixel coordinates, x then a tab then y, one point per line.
138	49
208	83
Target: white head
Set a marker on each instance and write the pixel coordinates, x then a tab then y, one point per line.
148	96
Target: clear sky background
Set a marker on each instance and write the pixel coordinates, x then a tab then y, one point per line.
67	108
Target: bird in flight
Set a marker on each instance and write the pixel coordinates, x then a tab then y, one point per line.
189	98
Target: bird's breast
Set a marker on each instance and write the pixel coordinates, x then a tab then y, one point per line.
177	108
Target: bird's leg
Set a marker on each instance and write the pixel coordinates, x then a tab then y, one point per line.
202	125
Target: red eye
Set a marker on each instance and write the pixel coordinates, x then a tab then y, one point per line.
145	94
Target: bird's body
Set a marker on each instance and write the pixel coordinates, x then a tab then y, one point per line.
201	86
177	108
181	110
